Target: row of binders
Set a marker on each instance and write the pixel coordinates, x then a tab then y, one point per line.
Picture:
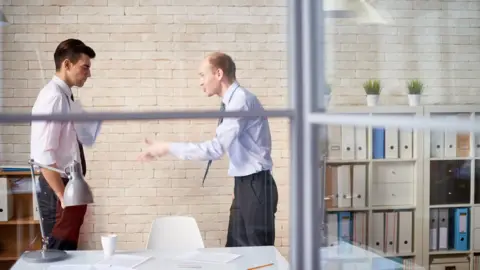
350	143
346	186
449	229
392	232
447	144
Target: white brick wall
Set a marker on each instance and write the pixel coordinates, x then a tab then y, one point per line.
148	52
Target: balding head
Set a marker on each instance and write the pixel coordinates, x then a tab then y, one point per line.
217	72
224	62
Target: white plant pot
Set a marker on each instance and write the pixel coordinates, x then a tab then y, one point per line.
372	100
326	100
413	100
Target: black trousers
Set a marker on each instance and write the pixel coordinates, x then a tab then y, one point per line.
252	214
62	226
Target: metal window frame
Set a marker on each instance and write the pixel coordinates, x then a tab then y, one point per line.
308	140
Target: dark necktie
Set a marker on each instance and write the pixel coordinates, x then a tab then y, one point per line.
222	108
82	154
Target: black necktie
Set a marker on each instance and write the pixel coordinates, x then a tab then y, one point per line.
222	108
82	155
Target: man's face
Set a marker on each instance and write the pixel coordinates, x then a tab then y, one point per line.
210	78
79	72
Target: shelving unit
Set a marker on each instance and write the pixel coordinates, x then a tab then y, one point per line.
442	174
22	230
384	172
452	192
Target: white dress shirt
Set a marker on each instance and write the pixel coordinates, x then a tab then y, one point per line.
246	140
54	142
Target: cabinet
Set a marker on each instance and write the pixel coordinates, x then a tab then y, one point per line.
373	184
410	186
452	194
20	230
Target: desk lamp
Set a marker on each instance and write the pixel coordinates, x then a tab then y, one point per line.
77	192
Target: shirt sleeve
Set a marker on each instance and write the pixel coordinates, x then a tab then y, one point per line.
214	149
49	131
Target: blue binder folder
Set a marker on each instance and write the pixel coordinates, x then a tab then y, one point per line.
459	234
378	144
345	227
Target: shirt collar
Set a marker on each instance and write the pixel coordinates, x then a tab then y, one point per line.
63	85
228	95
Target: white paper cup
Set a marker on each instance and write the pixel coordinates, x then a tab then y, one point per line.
109	244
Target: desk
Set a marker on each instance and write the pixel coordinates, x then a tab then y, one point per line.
162	259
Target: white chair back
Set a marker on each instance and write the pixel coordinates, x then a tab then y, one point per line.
175	232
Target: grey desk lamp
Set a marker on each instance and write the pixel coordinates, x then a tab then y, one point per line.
77	192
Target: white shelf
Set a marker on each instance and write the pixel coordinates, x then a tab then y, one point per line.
432	139
408	187
421	162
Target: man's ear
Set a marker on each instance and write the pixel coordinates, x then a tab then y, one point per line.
67	64
219	74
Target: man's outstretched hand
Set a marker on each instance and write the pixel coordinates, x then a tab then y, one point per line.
154	150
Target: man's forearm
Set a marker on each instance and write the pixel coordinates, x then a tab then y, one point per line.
54	180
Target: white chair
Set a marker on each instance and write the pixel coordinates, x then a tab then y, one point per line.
175	232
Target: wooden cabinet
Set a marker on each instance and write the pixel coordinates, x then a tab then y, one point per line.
22	231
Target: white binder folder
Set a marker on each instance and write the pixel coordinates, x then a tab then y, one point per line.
406	144
443	222
359	185
437	142
6	199
344	182
405	232
332	229
348	142
36	216
360	143
360	229
433	229
450	146
391	143
391	227
334	142
378	231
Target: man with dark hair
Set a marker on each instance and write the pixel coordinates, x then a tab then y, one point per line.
247	142
57	144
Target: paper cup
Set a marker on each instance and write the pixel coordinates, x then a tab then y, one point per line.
109	244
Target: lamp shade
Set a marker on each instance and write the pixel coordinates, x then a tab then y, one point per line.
77	191
3	19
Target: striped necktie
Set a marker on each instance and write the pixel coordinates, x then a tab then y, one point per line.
222	108
82	154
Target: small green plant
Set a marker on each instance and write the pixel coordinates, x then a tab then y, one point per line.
372	87
415	87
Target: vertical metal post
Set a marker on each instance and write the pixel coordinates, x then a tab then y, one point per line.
305	52
297	123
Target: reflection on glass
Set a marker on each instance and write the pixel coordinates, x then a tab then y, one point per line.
449	182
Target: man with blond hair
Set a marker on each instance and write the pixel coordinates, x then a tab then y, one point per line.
247	142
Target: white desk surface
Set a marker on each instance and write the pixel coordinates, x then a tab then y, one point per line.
163	259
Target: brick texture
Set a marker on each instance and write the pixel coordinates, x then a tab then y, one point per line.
147	56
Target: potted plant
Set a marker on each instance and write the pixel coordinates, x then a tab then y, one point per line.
372	89
328	95
415	89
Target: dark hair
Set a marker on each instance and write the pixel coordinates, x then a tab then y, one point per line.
225	63
71	49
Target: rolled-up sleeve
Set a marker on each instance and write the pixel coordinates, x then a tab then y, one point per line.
214	149
48	132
